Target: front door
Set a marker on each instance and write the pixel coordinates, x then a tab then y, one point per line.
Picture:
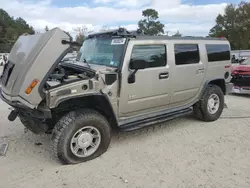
151	89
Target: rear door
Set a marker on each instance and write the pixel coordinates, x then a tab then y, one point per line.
188	73
151	89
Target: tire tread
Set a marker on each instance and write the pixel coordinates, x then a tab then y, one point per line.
65	122
200	108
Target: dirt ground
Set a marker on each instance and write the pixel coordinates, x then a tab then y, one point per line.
180	153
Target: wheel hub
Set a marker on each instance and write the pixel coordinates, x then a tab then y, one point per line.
213	104
85	140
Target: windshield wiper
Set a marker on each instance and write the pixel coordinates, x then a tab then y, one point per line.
85	61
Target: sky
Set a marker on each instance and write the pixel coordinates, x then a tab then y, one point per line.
189	17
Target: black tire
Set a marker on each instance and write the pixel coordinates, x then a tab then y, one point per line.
69	124
201	109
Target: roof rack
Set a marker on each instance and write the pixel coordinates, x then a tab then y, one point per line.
121	32
139	34
164	37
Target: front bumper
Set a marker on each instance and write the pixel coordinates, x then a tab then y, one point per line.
241	83
39	113
241	90
241	80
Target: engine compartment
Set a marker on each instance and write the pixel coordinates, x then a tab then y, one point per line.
68	72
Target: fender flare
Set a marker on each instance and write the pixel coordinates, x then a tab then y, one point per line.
213	81
99	98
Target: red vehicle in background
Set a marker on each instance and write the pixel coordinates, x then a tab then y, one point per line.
241	77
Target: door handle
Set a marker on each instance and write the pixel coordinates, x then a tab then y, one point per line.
163	75
200	71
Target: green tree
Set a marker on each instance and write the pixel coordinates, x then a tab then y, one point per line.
11	29
234	24
149	25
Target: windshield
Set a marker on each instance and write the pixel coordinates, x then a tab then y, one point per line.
102	51
246	62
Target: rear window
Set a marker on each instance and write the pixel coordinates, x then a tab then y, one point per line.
186	54
218	52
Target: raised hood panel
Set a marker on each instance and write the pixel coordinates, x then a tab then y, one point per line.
241	69
32	57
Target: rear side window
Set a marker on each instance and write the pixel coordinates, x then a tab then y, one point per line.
154	55
218	52
186	54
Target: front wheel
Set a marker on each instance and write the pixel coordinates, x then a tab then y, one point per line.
211	105
80	136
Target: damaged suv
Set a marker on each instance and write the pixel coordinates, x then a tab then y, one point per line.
120	80
241	77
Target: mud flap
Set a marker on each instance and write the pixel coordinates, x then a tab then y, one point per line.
13	115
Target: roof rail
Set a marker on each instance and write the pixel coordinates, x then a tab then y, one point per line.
121	32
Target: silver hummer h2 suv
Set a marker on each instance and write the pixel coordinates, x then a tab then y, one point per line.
120	80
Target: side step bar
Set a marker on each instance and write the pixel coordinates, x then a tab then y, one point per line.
154	120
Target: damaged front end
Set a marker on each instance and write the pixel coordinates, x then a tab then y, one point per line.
37	82
241	79
30	63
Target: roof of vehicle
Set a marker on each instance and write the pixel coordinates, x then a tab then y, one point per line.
138	34
146	37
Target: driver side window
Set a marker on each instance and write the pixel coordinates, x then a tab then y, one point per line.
154	55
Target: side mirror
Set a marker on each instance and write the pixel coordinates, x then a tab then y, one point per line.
138	64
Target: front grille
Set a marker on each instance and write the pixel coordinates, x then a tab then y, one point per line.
7	70
241	80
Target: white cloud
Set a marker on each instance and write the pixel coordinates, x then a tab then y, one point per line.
103	1
188	19
133	3
125	3
188	29
165	4
198	13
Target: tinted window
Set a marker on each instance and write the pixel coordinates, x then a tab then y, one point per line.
218	52
186	54
154	55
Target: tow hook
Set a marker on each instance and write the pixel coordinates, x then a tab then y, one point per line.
13	115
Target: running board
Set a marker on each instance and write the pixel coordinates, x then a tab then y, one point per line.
154	120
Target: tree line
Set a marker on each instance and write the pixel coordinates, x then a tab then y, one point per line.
10	29
234	25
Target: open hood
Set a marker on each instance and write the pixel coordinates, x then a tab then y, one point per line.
241	69
32	57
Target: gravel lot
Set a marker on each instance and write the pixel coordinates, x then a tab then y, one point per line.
180	153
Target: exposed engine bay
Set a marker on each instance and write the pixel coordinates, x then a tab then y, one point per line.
68	72
241	80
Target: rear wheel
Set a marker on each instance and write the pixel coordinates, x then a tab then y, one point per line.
80	136
211	105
